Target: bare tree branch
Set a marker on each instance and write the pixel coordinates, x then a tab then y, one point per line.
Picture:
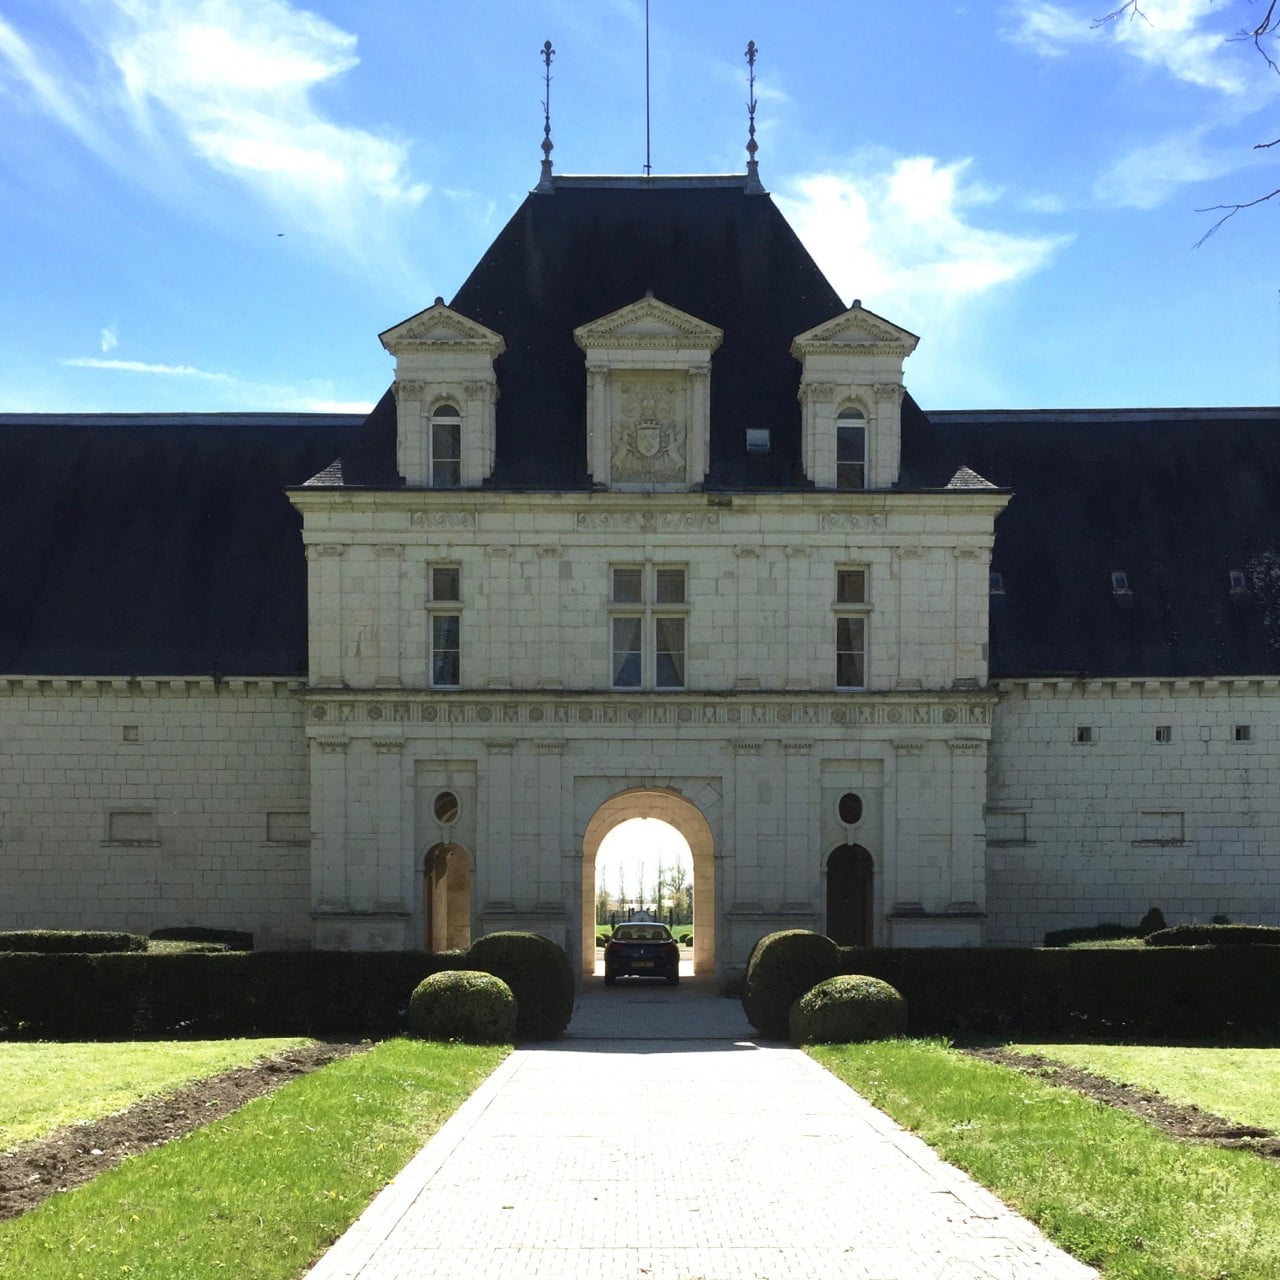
1131	8
1231	211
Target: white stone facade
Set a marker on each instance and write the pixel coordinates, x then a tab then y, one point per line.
1108	797
140	804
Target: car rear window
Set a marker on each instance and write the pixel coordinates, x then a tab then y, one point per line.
642	933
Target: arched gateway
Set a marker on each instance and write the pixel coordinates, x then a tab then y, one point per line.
666	806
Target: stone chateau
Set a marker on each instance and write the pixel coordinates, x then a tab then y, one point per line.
647	524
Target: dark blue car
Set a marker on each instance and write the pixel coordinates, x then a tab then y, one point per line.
642	951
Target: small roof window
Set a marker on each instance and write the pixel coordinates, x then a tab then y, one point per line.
996	579
1236	579
757	439
1119	582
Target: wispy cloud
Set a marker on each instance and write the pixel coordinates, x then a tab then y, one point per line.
140	366
231	85
109	339
1186	38
1146	176
228	390
904	239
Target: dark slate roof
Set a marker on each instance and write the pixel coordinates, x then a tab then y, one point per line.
1174	498
156	544
594	245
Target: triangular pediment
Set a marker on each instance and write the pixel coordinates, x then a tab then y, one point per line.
648	323
439	327
854	330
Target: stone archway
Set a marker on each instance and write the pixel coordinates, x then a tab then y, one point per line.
850	894
446	898
674	809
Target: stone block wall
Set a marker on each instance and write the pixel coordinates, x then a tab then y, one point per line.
1105	798
138	804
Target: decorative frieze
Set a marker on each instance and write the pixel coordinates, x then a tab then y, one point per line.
657	712
852	523
442	520
648	521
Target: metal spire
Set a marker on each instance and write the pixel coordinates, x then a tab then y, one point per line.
545	181
753	171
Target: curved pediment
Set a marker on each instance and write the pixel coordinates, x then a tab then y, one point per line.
440	328
650	325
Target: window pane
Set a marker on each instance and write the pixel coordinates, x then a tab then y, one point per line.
627	586
851	586
669	586
446	658
446	584
851	455
669	636
446	411
446	455
850	651
626	653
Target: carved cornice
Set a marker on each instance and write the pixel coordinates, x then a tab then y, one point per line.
647	521
135	686
332	746
890	391
870	711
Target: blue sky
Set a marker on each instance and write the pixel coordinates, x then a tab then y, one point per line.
219	204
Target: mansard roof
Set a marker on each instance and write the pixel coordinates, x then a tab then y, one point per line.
1175	499
156	544
706	246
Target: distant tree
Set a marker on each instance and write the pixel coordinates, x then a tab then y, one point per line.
1261	29
602	905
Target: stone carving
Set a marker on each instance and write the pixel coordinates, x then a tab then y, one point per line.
442	520
647	521
649	437
743	712
852	524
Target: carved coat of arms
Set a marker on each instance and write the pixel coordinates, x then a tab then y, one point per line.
648	440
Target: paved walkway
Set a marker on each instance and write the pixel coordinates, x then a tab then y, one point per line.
659	1141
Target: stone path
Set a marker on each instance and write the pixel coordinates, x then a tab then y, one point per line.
659	1141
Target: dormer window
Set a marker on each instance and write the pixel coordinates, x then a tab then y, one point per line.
851	449
444	463
1119	582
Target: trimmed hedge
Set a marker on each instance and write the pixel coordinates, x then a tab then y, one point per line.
313	993
848	1008
1107	932
1216	935
539	974
51	941
782	967
232	939
1161	993
458	1004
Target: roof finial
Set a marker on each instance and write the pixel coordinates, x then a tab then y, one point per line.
545	181
753	172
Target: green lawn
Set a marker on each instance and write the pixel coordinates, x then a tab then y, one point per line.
1241	1084
1102	1183
260	1194
45	1086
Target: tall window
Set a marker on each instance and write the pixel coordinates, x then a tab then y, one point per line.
851	628
445	603
851	449
444	466
648	618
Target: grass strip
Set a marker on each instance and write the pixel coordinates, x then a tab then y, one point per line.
1240	1084
44	1086
1101	1183
260	1194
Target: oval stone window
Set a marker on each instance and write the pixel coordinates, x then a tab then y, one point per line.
850	809
446	807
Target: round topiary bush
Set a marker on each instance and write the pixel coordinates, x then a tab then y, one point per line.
782	967
538	972
458	1004
846	1008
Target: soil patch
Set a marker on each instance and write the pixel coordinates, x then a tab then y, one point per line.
68	1157
1181	1120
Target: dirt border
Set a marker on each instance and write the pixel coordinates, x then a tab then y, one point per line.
1179	1120
71	1156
